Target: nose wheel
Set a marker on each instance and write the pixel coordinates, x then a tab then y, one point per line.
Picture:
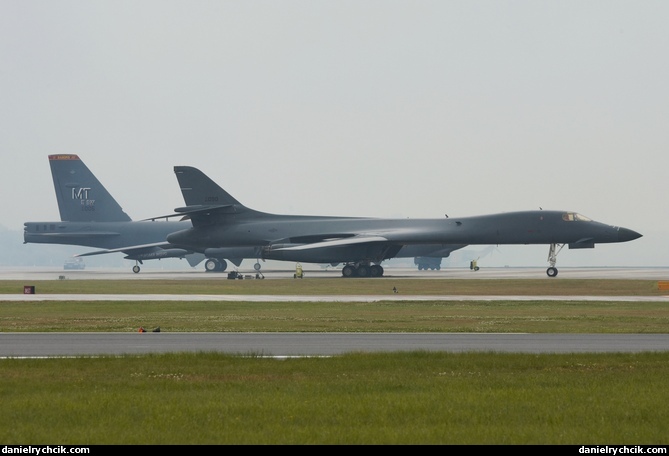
552	259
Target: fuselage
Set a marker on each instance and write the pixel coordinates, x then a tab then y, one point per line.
275	232
103	235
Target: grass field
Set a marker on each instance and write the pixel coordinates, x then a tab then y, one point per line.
394	398
405	316
376	398
411	316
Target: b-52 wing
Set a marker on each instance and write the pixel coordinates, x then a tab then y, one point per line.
155	251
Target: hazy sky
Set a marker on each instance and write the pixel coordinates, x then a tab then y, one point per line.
367	108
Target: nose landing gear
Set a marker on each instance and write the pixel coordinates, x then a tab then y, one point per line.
552	259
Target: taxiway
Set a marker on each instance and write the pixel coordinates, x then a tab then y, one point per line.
322	344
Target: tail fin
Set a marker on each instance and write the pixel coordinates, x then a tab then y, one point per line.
199	190
81	197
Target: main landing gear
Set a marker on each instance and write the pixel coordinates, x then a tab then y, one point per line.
215	265
362	270
136	268
552	259
220	265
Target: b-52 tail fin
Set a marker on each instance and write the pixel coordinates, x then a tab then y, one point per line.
81	197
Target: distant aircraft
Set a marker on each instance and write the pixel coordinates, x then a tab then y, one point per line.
91	217
362	243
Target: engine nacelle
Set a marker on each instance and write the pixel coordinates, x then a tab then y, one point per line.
232	252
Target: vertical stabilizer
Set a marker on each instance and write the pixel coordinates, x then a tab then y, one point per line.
198	189
81	197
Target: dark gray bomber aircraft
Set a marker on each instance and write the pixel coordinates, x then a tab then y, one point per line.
220	221
91	217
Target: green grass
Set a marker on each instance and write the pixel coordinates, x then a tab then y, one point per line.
339	286
356	398
401	316
406	316
394	398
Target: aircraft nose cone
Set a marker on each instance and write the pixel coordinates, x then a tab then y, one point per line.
625	235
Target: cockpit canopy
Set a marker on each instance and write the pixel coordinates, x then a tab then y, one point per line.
575	217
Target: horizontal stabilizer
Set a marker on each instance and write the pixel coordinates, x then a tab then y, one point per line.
77	235
190	211
201	208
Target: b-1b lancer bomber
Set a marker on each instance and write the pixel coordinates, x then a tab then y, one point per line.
220	221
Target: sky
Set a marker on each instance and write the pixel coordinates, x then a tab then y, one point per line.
384	108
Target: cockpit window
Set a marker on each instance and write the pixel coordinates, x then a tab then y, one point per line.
575	217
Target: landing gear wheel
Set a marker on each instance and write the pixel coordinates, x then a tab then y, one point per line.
363	271
211	265
348	271
376	270
552	272
135	269
256	266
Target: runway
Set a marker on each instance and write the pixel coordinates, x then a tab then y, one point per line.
323	344
317	344
29	275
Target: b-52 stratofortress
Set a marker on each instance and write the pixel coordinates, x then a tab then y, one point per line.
220	221
91	217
